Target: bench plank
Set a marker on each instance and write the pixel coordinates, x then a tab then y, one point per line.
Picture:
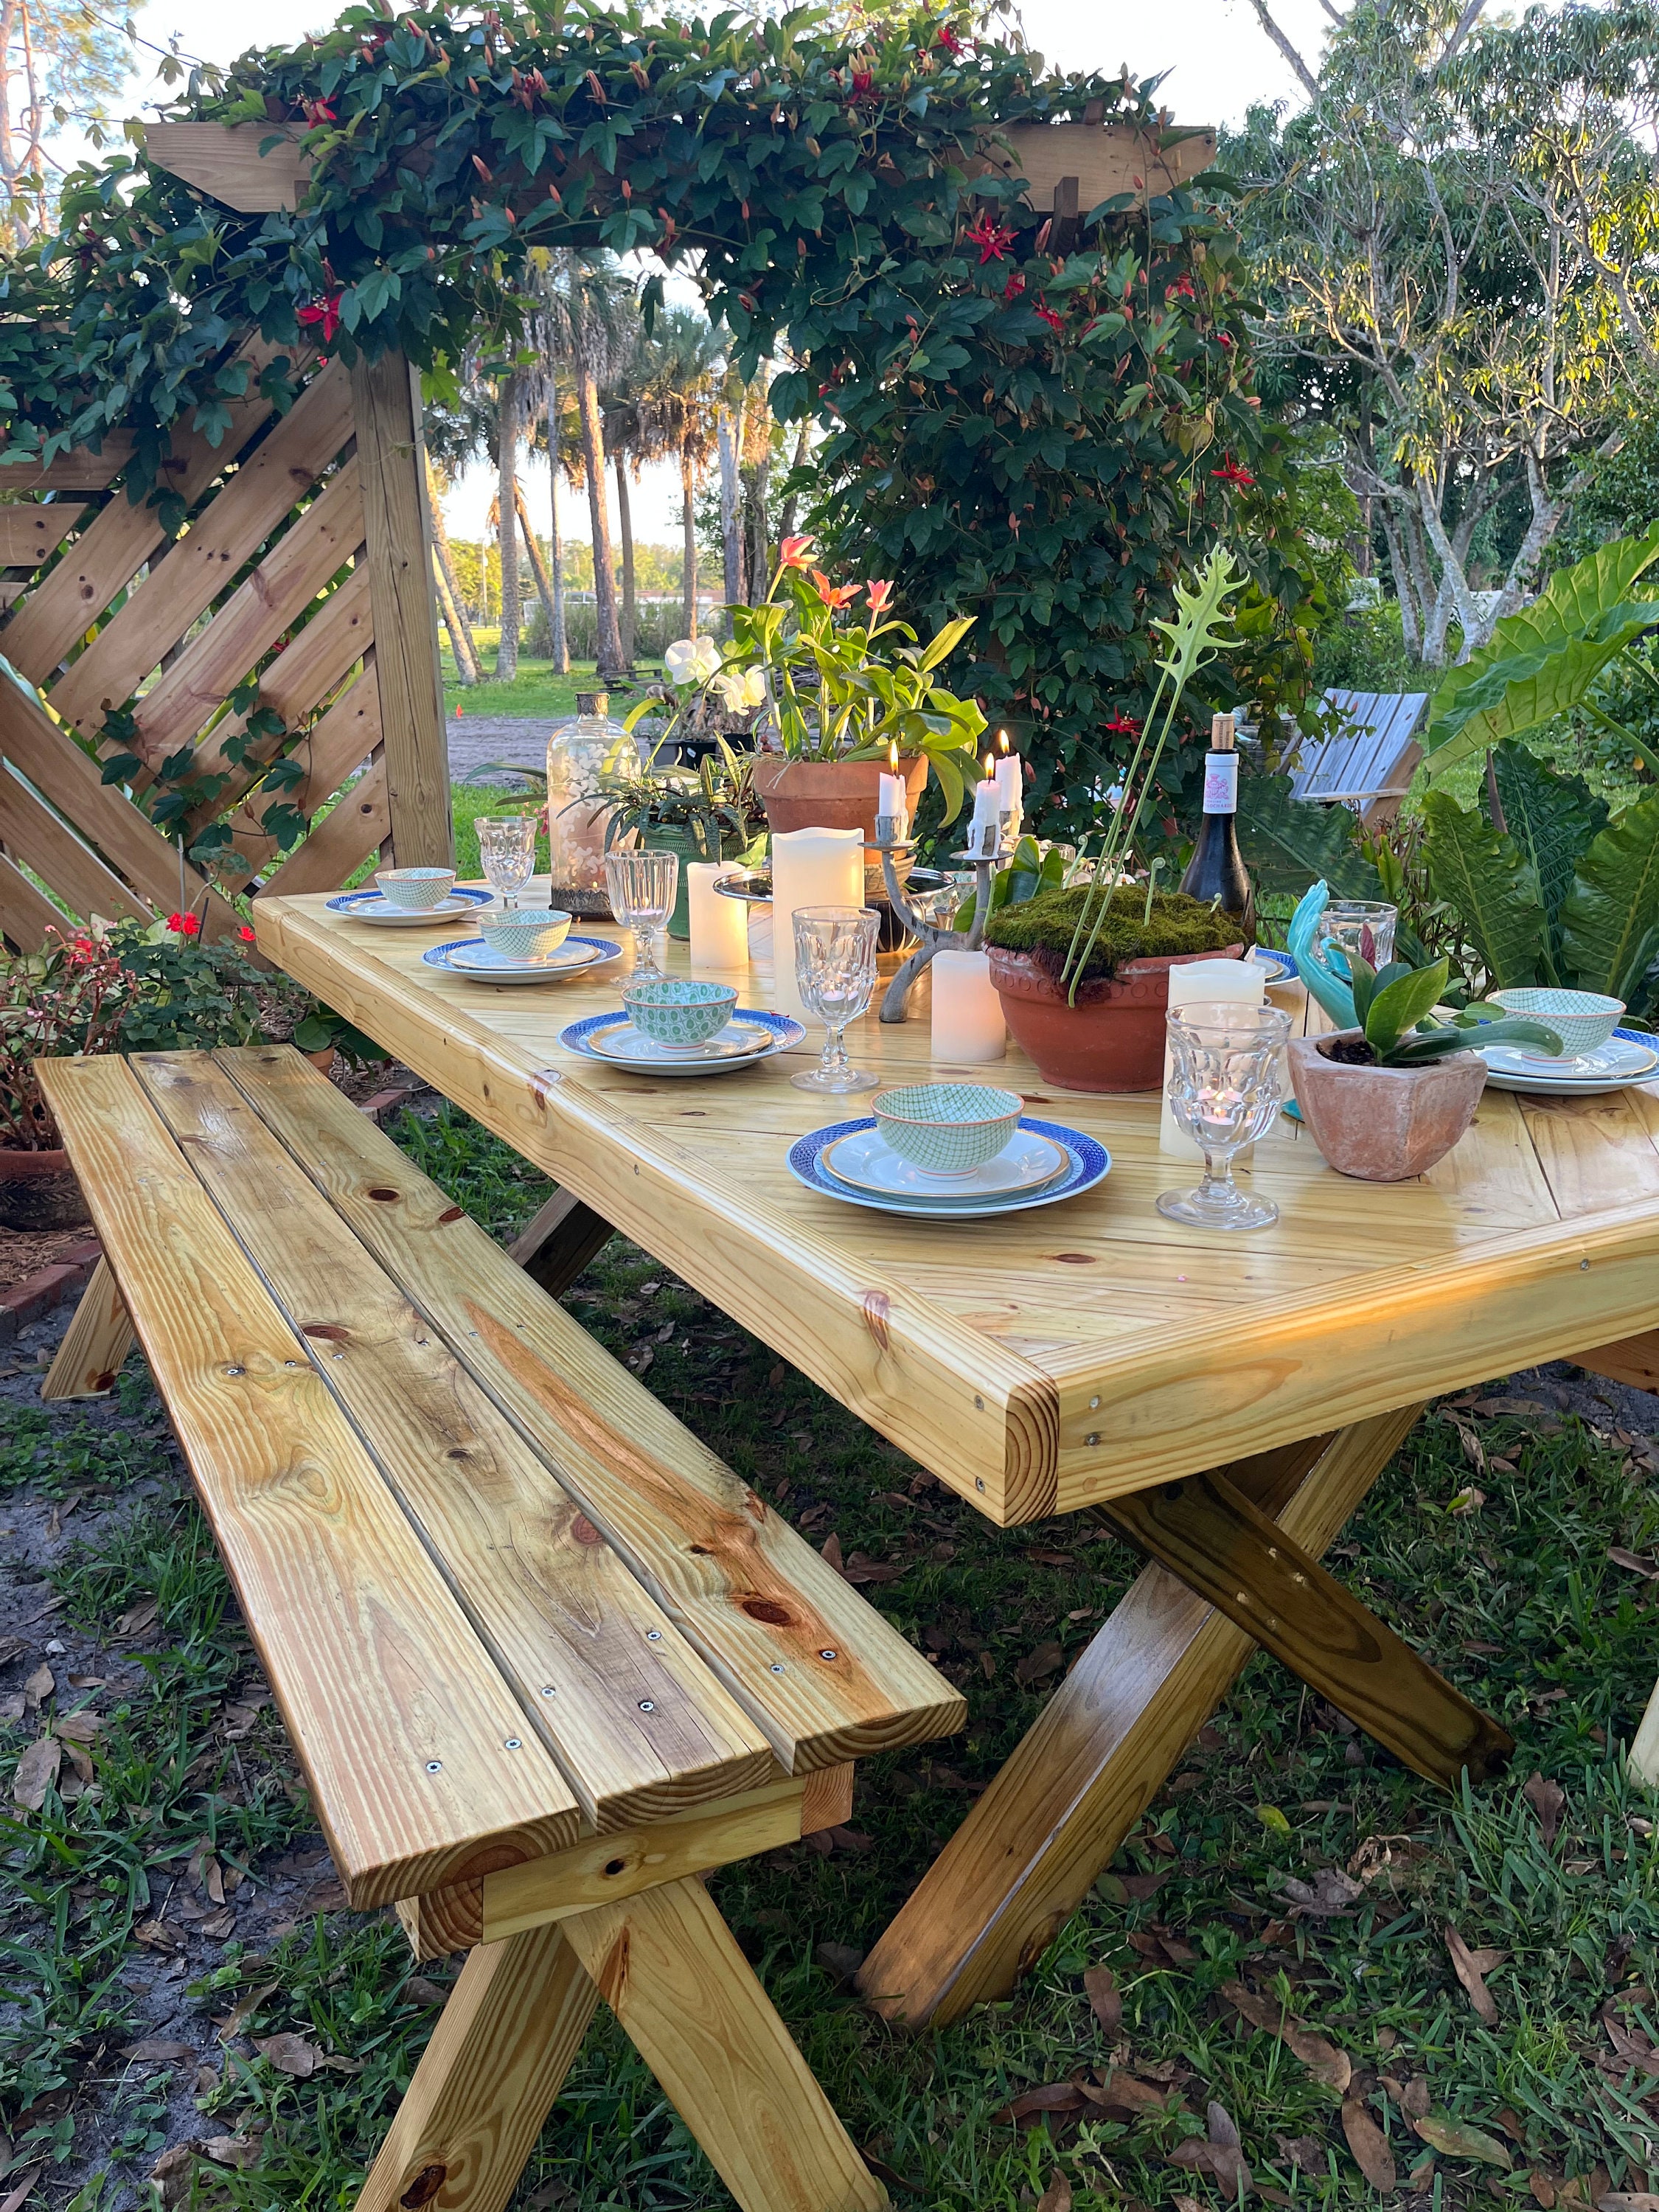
749	1593
637	1723
378	1673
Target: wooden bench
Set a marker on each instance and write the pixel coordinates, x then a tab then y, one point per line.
544	1658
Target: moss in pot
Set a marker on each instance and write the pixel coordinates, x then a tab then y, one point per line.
1389	1099
1087	1003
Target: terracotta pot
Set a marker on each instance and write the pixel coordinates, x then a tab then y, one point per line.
1112	1038
38	1190
1384	1124
801	794
324	1058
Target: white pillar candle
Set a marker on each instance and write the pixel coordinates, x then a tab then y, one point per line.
810	867
720	927
968	1024
1009	784
1233	982
894	799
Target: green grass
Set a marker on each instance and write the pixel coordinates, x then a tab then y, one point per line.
534	691
1515	1601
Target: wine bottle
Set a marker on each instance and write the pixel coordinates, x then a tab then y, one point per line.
1216	868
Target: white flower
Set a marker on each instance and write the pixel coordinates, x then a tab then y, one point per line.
742	689
691	660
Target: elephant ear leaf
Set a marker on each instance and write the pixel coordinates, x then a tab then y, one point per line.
1488	882
1553	818
1288	843
1610	919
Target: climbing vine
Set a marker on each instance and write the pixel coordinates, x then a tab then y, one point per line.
1037	435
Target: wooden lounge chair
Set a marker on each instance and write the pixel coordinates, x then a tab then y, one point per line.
1369	765
545	1659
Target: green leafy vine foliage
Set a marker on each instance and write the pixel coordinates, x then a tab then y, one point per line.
1034	430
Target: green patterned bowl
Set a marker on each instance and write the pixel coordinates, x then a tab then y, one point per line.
947	1128
675	1010
1583	1020
414	889
525	933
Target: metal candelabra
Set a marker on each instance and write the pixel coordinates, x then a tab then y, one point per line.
930	938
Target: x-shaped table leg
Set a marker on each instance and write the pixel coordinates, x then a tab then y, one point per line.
670	1969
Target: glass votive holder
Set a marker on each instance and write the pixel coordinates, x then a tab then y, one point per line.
1362	925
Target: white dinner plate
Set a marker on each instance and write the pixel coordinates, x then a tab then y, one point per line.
481	963
373	907
774	1033
1624	1059
866	1161
631	1048
1087	1163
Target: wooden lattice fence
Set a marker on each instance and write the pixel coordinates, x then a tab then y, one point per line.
305	564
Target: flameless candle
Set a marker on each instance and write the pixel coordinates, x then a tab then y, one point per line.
810	867
968	1024
720	927
1237	982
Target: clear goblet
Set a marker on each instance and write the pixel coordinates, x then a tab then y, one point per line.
507	849
1226	1087
1362	925
642	888
835	971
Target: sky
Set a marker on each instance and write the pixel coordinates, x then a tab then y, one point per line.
1217	57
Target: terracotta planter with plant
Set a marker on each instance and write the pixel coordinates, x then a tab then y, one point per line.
1389	1100
831	794
1098	1026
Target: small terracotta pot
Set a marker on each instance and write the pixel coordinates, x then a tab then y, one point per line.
1384	1124
1112	1038
801	794
38	1190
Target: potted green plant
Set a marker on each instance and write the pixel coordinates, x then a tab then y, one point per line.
69	998
1083	971
708	813
1388	1099
838	699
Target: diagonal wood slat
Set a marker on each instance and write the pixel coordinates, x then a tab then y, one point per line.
59	857
29	534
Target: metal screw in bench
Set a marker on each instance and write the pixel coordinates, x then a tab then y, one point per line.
548	1690
236	1370
514	1743
830	1654
648	1704
653	1635
777	1667
435	1766
1093	1437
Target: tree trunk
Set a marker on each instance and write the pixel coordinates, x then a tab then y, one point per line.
467	663
789	518
556	546
625	530
538	565
506	652
688	564
455	621
1411	629
609	653
731	538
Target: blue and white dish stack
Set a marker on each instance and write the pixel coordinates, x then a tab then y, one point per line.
1597	1055
948	1152
677	1025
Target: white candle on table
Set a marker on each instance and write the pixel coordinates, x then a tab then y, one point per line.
987	815
894	797
968	1024
1009	776
810	867
1235	982
720	927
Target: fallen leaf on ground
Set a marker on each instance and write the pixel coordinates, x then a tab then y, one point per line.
841	1959
1123	2093
1469	1973
1456	2139
232	2150
830	1552
1543	2187
1302	2150
1324	2060
1057	2197
1635	2050
1036	1664
78	1727
1043	1557
859	1569
246	2007
39	1687
1101	1983
419	1991
37	1770
158	2049
137	1618
1327	1897
1219	2156
157	1936
288	2054
1548	1800
18	2197
1052	2097
218	1926
1633	1561
1467	1501
11	1648
1628	2200
876	2166
1370	2147
1271	1817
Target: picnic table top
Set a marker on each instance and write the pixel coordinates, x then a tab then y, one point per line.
1058	1357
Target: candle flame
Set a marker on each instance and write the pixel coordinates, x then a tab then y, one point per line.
892	755
1002	741
990	768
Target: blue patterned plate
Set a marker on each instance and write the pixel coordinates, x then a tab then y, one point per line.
773	1033
479	963
1282	964
1087	1164
374	906
1627	1057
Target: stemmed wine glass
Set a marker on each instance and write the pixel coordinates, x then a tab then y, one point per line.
836	971
642	888
507	849
1226	1087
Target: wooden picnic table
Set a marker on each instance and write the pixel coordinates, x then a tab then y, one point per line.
1225	1402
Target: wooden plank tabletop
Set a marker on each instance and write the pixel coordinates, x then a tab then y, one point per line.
1071	1353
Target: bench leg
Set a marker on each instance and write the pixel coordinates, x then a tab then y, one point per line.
1023	1860
95	1344
670	1969
497	2059
1634	1359
559	1242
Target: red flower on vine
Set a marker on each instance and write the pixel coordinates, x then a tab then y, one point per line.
1183	290
863	76
317	112
185	925
1014	285
835	596
948	38
324	314
1048	315
992	238
1230	473
248	936
1123	725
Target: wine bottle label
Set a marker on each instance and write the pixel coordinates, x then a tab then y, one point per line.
1221	783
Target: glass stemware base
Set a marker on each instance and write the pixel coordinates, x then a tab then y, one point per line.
836	1080
1217	1203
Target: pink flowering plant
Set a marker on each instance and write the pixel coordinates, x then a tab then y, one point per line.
835	675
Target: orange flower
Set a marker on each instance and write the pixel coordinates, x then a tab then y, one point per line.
835	596
794	552
881	591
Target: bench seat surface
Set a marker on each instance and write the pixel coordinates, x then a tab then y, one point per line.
504	1599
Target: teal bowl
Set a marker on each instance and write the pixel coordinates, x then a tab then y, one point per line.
947	1128
674	1010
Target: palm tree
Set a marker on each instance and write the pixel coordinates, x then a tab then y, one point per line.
602	307
508	405
680	405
